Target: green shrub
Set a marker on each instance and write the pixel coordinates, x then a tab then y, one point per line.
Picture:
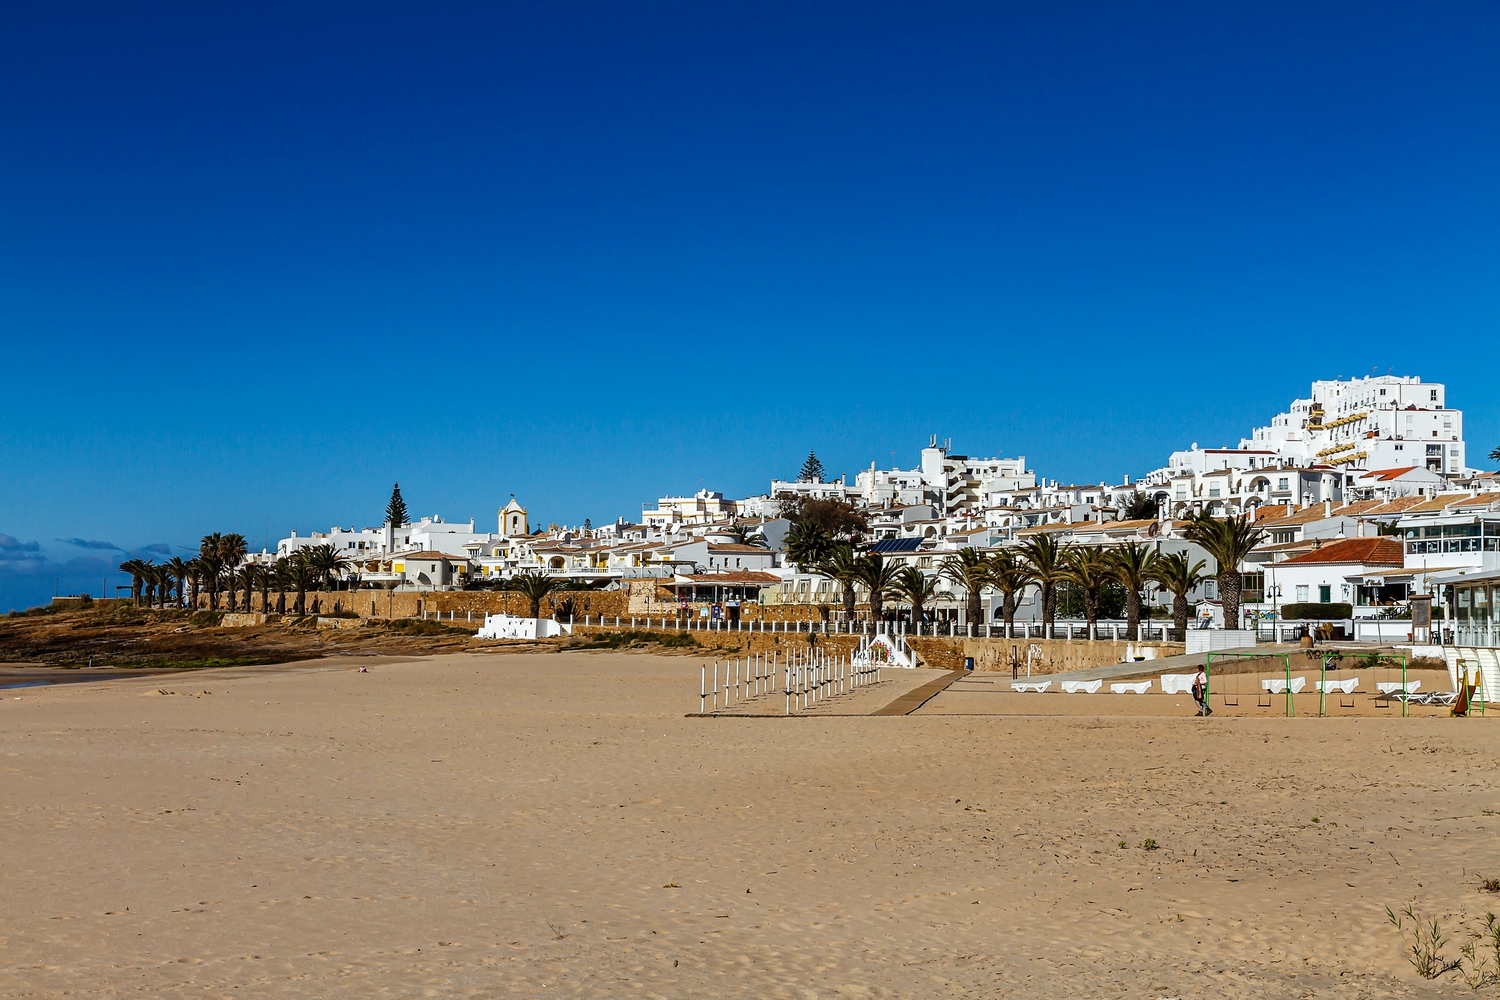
1309	611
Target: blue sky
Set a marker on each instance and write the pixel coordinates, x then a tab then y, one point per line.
257	265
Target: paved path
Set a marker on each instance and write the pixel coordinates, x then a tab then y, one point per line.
1186	663
915	699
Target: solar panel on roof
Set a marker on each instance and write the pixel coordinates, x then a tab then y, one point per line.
896	545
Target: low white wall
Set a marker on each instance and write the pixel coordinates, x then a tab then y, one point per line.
1208	639
1374	630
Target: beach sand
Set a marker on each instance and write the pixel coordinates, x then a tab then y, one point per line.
491	824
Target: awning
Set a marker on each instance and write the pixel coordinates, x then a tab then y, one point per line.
1470	574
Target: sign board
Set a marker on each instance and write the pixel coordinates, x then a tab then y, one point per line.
1421	611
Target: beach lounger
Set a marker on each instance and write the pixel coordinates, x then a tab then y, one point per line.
1037	686
1345	685
1391	691
1131	687
1277	685
1442	698
1081	687
1177	683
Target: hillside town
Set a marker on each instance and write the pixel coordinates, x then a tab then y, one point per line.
1359	495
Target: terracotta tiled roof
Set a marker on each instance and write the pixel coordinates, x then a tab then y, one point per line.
1439	503
1364	551
1316	512
1397	506
748	576
1386	475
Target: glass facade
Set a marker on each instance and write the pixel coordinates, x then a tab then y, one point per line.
1474	614
1435	538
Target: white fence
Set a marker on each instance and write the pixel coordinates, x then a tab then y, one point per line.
808	678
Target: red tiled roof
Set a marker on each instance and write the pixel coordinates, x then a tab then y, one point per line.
1386	475
1365	551
746	576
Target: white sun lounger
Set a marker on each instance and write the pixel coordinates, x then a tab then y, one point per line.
1277	685
1392	689
1346	686
1130	687
1037	686
1177	683
1081	687
1442	698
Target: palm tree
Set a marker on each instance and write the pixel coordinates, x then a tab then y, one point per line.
534	587
326	562
1174	573
1011	576
137	570
808	543
179	570
879	578
302	577
264	578
1091	568
918	589
211	562
232	551
1228	540
246	578
842	567
162	575
1044	561
281	576
970	570
1133	563
148	583
195	573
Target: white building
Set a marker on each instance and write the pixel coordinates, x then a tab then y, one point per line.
703	507
953	484
1378	421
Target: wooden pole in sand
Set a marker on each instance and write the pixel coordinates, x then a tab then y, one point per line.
703	690
786	685
716	685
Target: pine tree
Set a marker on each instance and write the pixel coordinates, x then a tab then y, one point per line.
395	511
812	470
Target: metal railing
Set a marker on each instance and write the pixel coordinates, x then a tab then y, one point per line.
1105	631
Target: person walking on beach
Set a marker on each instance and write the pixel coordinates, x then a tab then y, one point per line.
1200	692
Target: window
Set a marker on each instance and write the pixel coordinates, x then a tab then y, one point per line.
1282	484
1301	593
1432	395
1211	590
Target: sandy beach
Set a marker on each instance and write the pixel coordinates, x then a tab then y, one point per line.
538	825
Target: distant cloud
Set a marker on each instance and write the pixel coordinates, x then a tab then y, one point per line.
84	543
161	547
17	556
10	544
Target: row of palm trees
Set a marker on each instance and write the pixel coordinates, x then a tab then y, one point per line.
222	567
1043	563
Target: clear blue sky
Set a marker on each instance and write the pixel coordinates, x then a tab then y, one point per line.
255	266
